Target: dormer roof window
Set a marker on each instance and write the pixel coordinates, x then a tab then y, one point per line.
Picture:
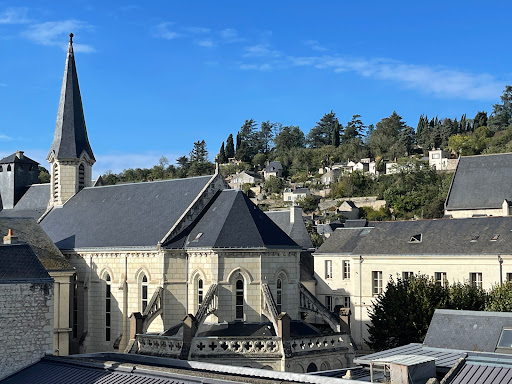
474	238
416	238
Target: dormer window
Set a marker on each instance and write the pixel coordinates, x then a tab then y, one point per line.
416	238
474	238
495	238
505	339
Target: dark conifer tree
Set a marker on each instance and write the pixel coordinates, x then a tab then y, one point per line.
230	147
221	159
336	134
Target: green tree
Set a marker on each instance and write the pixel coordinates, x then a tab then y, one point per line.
321	134
500	298
259	160
289	137
480	120
222	158
230	147
353	130
336	134
501	116
392	137
266	136
273	185
402	313
308	203
44	175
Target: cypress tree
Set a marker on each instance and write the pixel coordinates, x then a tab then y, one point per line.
221	159
336	134
230	147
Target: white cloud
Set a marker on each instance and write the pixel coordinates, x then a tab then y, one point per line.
54	33
260	50
230	35
314	45
163	31
14	16
440	81
5	137
197	30
206	43
265	67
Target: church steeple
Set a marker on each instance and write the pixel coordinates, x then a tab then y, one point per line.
70	155
70	139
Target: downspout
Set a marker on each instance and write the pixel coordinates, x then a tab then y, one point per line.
361	298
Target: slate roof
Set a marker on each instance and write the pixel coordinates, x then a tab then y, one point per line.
125	215
439	237
27	230
466	330
273	166
32	204
20	264
70	139
296	230
231	220
482	181
15	159
298	328
445	358
344	240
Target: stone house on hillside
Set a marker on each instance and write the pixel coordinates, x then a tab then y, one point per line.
274	168
292	195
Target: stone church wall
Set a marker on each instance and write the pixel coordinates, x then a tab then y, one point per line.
26	318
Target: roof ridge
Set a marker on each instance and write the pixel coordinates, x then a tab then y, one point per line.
146	182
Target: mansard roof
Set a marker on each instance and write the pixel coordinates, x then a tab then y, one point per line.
70	139
231	220
123	215
472	236
482	181
20	264
27	230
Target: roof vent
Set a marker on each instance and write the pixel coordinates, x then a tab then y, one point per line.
416	238
474	238
495	237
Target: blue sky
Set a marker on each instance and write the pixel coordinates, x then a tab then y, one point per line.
157	76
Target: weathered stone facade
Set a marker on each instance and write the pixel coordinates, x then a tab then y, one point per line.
26	330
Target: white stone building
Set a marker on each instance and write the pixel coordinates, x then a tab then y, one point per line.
354	264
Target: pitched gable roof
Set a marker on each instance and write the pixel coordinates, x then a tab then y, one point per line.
20	264
16	159
70	139
27	230
231	220
32	204
124	215
481	182
296	230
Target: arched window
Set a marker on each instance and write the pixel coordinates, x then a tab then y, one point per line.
108	304
239	300
81	177
1	168
144	293
200	292
279	297
325	366
9	168
312	368
31	168
55	174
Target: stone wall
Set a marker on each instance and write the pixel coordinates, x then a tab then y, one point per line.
26	318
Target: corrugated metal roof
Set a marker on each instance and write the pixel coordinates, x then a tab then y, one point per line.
405	359
444	358
481	374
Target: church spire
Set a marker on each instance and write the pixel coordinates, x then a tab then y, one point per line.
70	140
71	158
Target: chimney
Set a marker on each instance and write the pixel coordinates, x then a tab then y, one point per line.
283	326
295	213
19	155
10	238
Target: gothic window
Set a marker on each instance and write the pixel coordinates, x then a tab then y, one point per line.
81	177
108	304
239	299
199	292
1	168
279	296
55	171
9	168
144	293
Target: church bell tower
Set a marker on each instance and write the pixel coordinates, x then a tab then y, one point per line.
70	157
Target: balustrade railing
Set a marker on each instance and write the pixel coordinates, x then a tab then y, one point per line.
301	345
269	346
156	345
